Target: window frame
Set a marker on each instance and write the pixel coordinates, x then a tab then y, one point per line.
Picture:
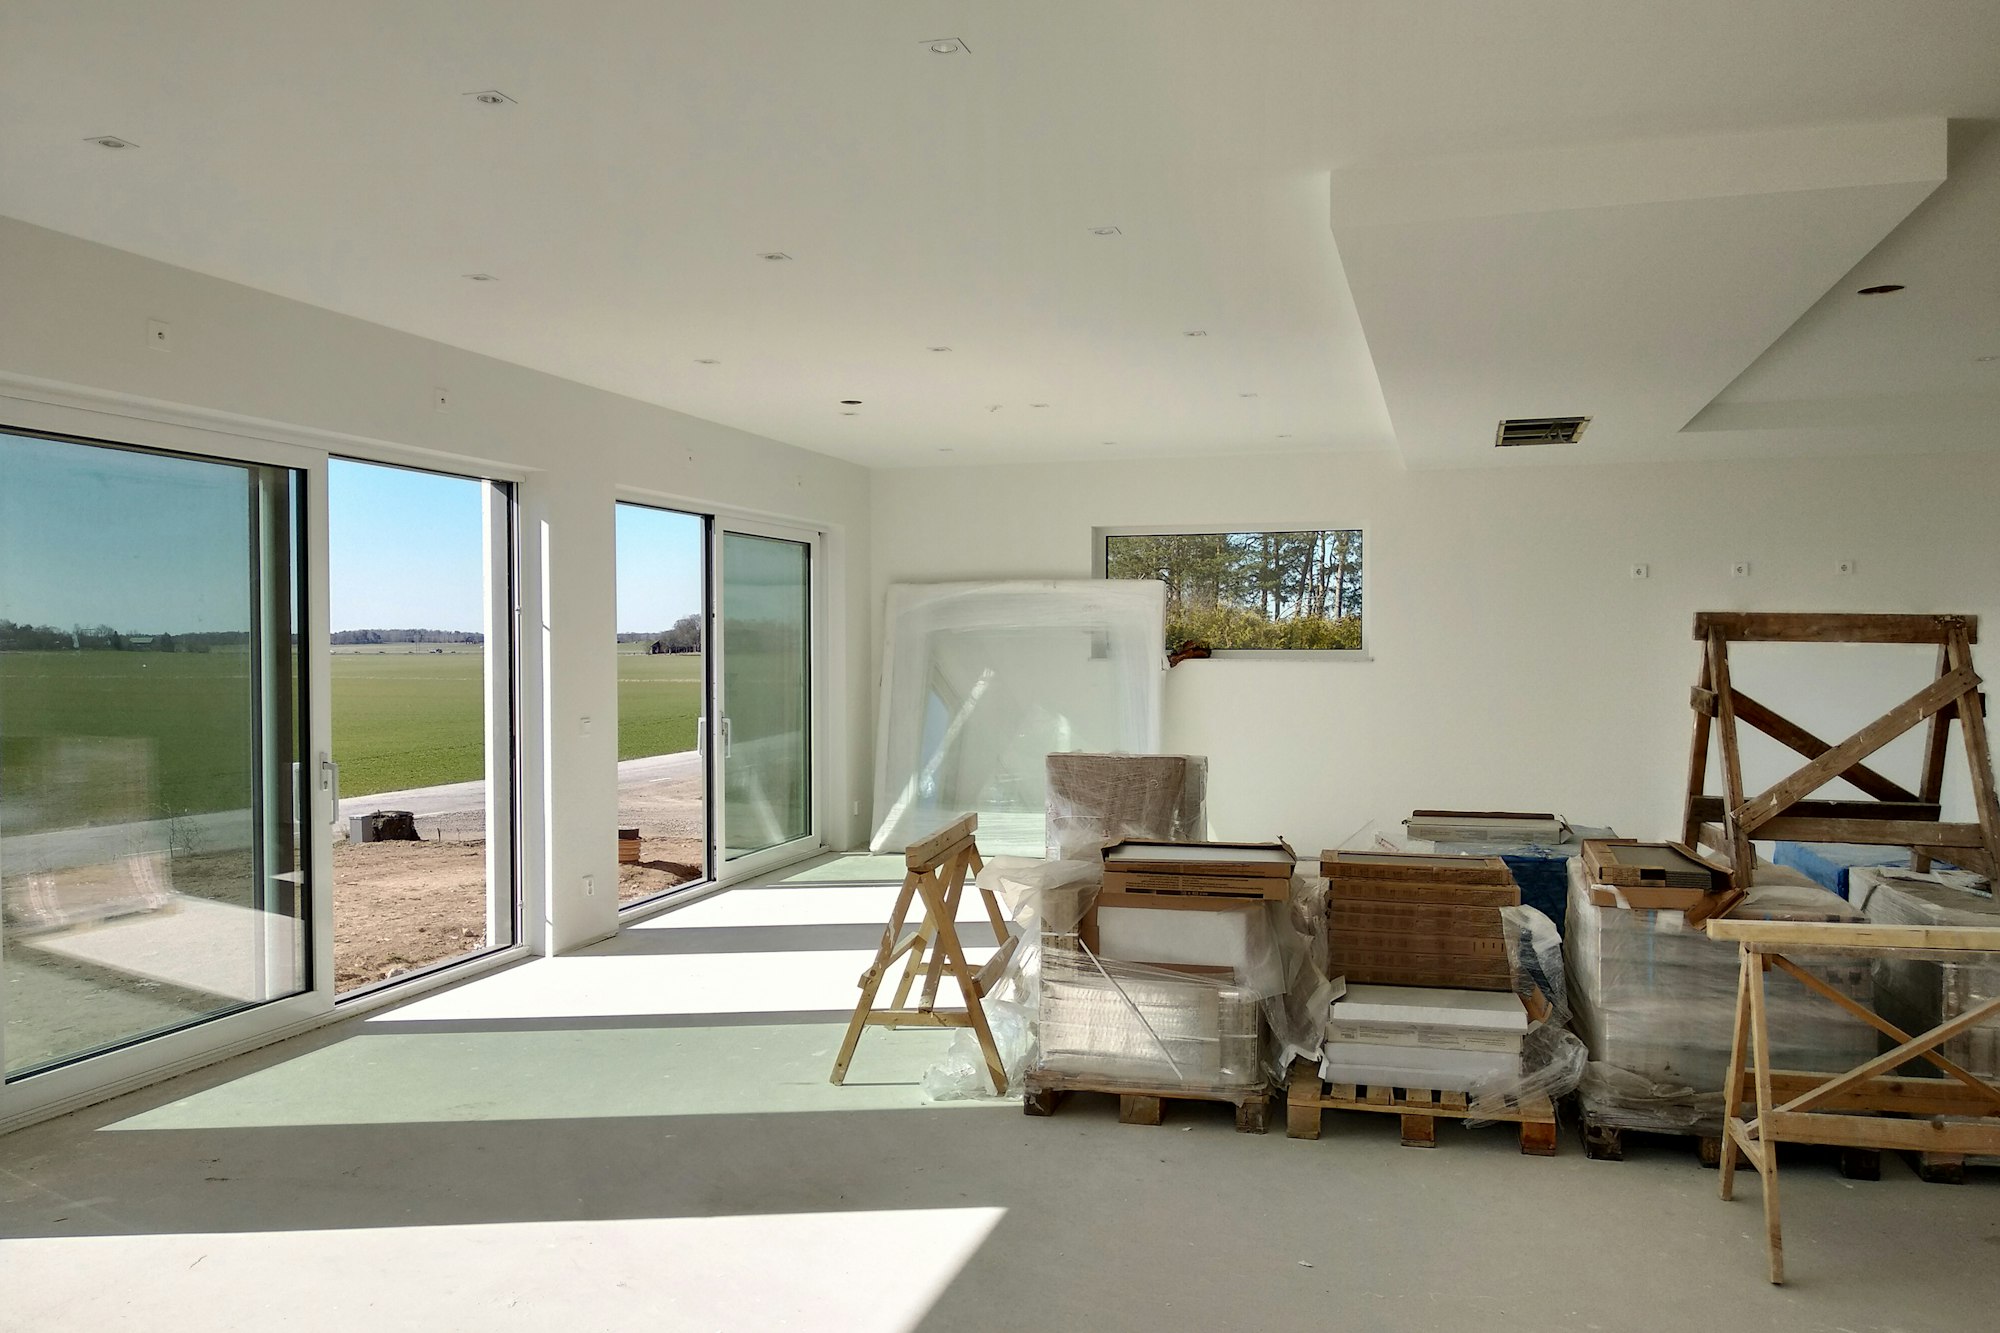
1365	653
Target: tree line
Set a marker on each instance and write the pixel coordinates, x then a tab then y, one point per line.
23	638
684	637
1251	589
347	638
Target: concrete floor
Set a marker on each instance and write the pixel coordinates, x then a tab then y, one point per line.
642	1136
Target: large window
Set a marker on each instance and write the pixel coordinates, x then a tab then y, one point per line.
663	662
1250	590
421	612
152	872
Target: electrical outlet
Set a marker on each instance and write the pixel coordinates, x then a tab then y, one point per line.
1740	570
1843	567
1640	572
584	727
857	809
590	886
441	399
159	334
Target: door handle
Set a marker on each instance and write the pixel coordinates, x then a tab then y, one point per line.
329	782
723	723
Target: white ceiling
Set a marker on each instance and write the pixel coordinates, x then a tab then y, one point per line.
1651	213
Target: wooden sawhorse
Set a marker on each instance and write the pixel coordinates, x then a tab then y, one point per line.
1813	1111
935	871
1894	815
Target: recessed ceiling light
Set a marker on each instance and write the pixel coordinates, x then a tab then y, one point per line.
706	361
850	414
1882	290
1195	333
1986	358
943	450
1037	404
482	277
491	97
110	141
1246	395
1106	231
850	402
947	46
940	349
1111	444
1284	437
774	255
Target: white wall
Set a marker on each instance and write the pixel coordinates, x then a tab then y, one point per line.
1514	663
75	314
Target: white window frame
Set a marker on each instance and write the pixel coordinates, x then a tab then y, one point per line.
35	405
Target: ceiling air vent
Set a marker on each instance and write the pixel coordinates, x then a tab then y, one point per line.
1540	430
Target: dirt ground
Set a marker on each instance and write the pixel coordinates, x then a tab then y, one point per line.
399	906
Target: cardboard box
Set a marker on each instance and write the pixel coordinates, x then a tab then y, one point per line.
1257	871
1415	867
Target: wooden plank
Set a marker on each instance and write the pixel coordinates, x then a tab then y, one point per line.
1898	1093
1440	895
1760	1036
1302	1110
1795	737
1972	733
1697	779
1829	627
928	853
1134	1109
1742	860
1628	862
1874	833
1734	1079
1710	810
1808	935
1818	772
1859	1131
1421	868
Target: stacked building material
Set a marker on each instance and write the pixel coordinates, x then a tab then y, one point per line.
1097	799
1654	1000
1423	1037
1399	918
1160	987
1915	995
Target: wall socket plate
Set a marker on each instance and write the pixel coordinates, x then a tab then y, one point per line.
1641	571
159	334
1843	566
1740	570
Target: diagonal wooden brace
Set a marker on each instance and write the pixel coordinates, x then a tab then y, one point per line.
1772	802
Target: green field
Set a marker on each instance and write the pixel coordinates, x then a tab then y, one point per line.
120	736
416	719
400	719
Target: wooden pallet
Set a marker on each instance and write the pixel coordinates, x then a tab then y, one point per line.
1043	1092
1308	1097
1603	1133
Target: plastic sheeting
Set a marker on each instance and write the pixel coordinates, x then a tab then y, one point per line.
1655	1003
981	682
1916	995
1096	799
1097	1031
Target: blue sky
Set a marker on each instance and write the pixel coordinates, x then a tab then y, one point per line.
141	542
150	543
406	554
659	568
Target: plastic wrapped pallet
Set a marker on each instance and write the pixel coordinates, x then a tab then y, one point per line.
1655	1003
1917	995
1095	799
1149	1027
1049	901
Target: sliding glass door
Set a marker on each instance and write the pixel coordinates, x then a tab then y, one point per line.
663	695
153	830
421	609
765	695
